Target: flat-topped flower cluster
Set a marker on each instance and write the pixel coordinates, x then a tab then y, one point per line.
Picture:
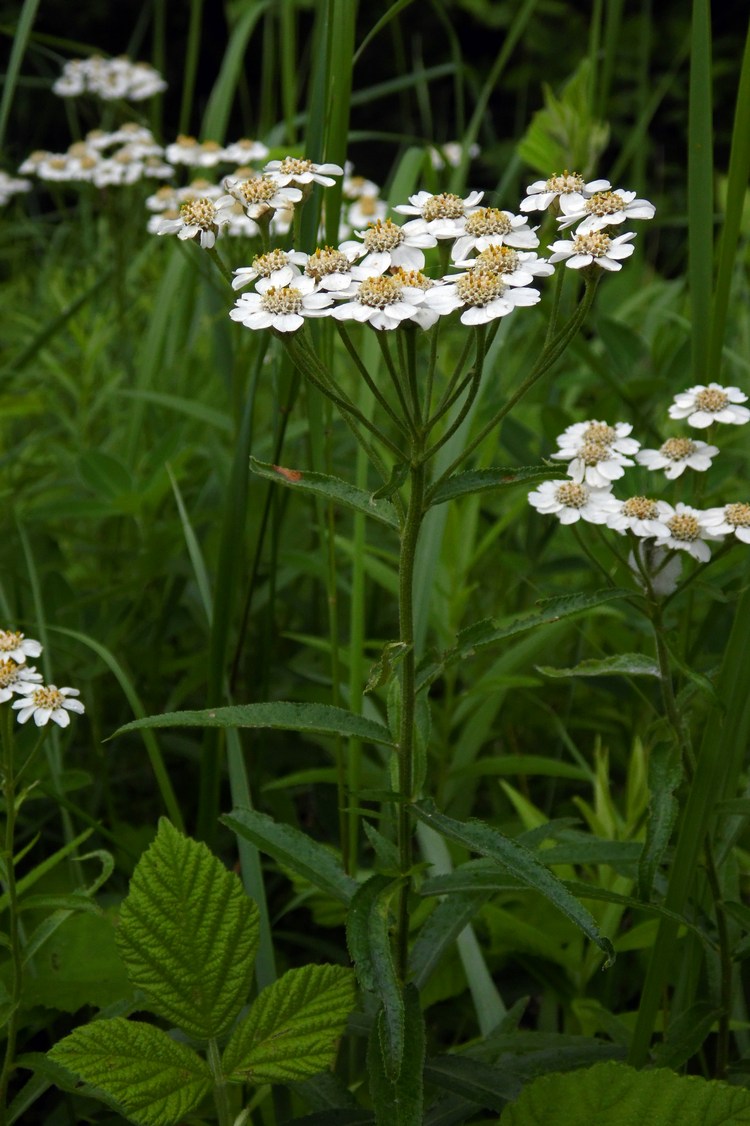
598	454
380	277
44	702
109	79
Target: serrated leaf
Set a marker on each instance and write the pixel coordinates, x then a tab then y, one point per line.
398	1102
368	938
188	934
622	664
281	715
519	861
618	1095
294	849
293	1027
389	660
156	1080
664	776
440	930
333	488
483	480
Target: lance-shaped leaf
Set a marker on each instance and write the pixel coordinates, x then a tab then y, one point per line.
517	860
483	480
294	849
156	1080
279	715
293	1027
664	777
368	937
622	664
398	1102
332	488
188	935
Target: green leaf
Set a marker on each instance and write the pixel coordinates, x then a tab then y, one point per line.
156	1080
188	934
368	937
399	1101
617	1095
519	861
564	134
293	1027
282	715
333	488
622	664
399	473
686	1035
292	848
483	480
441	929
664	776
523	764
383	669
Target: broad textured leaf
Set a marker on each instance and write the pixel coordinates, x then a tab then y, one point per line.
188	934
368	937
333	488
398	1102
293	1027
623	664
156	1080
519	861
282	715
664	776
294	849
617	1095
482	480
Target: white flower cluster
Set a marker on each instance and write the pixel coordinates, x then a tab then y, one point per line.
10	186
109	79
598	209
598	454
44	702
125	156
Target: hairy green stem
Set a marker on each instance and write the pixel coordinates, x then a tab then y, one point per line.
377	393
14	937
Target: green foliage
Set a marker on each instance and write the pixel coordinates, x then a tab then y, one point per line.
398	1098
565	134
618	1095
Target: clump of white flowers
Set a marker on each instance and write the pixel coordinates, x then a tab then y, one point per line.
109	79
33	699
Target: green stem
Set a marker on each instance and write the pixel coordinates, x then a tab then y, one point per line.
474	384
221	1095
450	392
219	263
395	380
377	393
14	938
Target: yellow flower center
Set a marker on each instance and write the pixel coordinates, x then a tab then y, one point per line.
479	287
210	146
8	673
265	264
641	508
599	432
281	300
596	244
591	453
198	213
444	206
488	221
413	278
383	236
711	399
294	166
677	449
567	182
738	514
258	189
47	698
685	527
368	204
604	203
326	260
498	259
9	641
379	292
572	495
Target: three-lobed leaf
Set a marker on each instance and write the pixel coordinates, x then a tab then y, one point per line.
156	1080
293	1027
188	935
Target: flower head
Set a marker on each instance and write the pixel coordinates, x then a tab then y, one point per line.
702	405
516	266
10	186
45	703
299	170
616	436
198	218
730	519
484	295
541	193
16	647
386	244
571	501
443	215
678	454
596	248
381	301
282	307
602	209
489	226
278	265
260	194
639	515
597	463
16	678
686	530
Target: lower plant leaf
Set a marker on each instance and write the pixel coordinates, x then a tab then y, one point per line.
398	1102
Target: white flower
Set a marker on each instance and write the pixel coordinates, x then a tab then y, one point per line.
444	215
382	302
483	293
639	515
731	519
598	248
299	170
450	154
602	209
245	151
331	268
702	405
678	454
357	187
278	265
198	218
185	150
541	193
489	226
571	502
686	530
282	307
45	703
110	79
596	463
16	647
259	194
365	210
385	244
10	186
15	678
573	437
516	267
